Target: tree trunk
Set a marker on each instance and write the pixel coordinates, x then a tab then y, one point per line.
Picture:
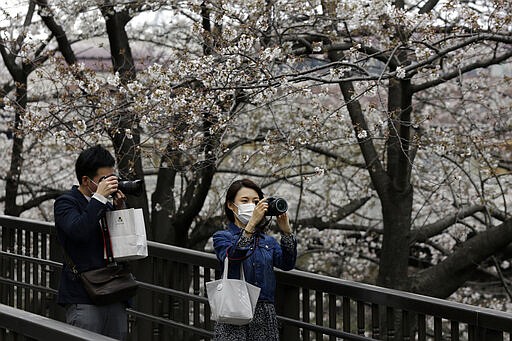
163	205
394	257
126	135
126	139
13	177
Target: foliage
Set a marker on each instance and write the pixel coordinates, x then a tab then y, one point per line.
343	107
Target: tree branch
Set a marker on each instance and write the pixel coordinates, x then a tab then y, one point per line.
57	30
372	161
335	156
456	73
424	233
428	6
444	278
35	202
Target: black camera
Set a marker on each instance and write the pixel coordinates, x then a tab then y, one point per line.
131	187
276	206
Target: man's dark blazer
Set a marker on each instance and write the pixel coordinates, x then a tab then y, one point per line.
77	221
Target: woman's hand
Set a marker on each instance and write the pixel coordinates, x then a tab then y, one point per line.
284	223
258	214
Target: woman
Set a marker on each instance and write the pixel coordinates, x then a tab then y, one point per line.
244	240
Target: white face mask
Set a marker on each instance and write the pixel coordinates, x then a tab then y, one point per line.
89	188
244	212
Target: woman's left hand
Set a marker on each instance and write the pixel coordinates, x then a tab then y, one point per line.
284	223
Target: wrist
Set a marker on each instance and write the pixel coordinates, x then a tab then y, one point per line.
248	233
101	198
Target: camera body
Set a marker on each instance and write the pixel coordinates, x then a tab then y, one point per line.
276	206
130	187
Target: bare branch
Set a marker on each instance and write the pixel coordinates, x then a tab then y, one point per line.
428	6
444	278
463	70
57	30
337	157
428	231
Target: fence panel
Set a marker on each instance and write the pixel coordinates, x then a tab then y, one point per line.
172	303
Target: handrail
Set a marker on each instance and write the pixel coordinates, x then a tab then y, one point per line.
32	259
465	313
478	316
168	322
363	294
27	224
28	286
42	328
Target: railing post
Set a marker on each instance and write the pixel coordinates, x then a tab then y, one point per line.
7	265
142	330
55	255
490	335
287	305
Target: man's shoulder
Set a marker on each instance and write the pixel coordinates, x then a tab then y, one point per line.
72	195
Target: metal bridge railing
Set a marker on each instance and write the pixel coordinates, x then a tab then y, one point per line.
16	324
172	303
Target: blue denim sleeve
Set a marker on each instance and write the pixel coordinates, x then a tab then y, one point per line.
225	242
285	255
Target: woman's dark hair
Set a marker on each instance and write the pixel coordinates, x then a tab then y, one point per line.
233	190
90	160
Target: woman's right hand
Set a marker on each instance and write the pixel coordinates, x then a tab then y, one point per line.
257	215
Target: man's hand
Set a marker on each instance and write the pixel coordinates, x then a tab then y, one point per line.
119	200
107	186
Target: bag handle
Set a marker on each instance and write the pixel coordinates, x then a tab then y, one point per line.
241	259
107	243
70	262
256	243
226	269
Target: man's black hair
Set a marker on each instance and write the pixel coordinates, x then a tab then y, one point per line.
90	160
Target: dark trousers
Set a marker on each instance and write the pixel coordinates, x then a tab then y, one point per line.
109	320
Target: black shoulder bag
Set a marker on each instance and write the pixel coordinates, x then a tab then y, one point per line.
110	284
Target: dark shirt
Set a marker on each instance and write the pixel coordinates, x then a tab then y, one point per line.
259	258
77	221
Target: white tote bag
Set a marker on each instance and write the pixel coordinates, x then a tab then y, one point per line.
127	234
232	301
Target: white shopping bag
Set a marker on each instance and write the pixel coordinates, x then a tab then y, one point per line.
127	234
232	301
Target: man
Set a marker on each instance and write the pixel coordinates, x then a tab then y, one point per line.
77	220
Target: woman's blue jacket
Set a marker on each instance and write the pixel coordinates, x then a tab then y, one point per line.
259	258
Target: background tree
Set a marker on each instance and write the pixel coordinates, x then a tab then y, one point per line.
382	122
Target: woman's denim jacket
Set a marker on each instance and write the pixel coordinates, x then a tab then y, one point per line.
259	258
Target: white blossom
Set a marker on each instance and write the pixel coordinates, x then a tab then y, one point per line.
400	72
362	134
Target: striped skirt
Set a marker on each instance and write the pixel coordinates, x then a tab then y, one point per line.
263	327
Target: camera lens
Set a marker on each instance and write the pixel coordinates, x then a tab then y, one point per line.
281	205
131	187
276	206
